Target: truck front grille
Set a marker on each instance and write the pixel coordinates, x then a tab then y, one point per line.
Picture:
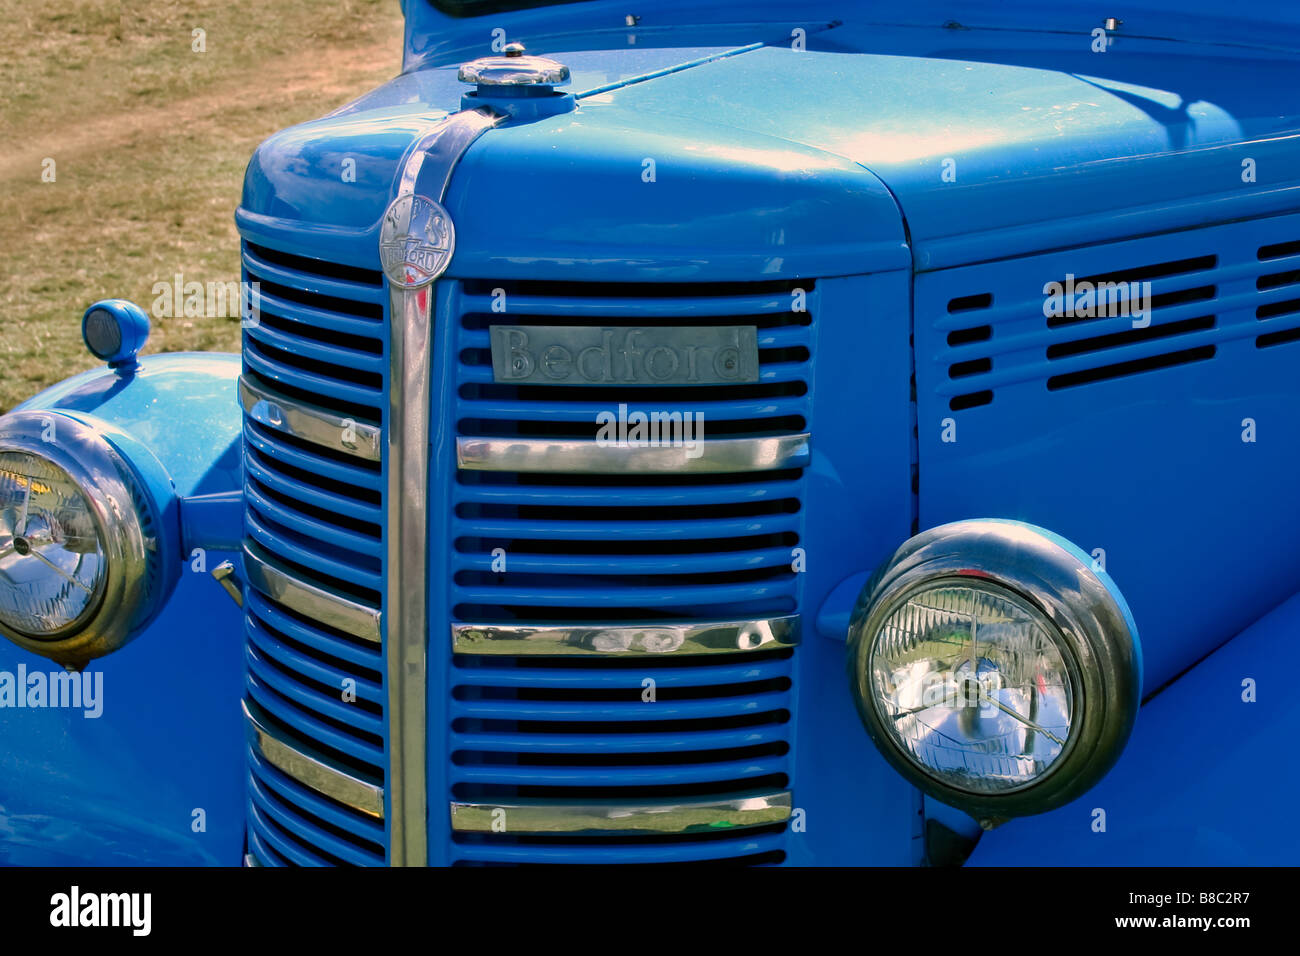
315	514
686	733
583	549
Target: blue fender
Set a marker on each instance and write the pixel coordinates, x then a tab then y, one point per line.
1204	780
152	773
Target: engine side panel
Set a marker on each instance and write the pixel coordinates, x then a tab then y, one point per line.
1172	448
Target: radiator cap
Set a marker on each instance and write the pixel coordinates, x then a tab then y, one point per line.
514	68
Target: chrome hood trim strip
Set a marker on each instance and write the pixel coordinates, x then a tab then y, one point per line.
309	422
621	640
316	603
614	817
311	768
719	456
427	172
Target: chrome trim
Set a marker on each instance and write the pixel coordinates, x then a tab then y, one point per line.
107	483
224	574
516	68
311	768
417	240
308	422
718	456
649	640
614	817
305	598
440	149
426	171
1093	631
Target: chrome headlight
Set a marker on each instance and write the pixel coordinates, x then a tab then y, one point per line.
994	668
78	557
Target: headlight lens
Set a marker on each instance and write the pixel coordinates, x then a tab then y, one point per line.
994	667
52	562
81	563
971	684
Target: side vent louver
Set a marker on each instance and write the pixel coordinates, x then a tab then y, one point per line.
1282	314
970	335
1069	330
1141	305
1107	316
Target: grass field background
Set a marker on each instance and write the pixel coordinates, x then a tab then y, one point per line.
150	140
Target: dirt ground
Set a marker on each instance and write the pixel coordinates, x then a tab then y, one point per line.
144	118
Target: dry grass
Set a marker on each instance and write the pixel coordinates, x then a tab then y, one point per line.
150	140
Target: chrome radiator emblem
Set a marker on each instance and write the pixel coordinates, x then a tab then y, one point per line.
416	241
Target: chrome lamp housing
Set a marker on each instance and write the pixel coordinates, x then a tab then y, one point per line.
995	668
80	562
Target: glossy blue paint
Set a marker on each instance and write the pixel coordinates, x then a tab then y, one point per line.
835	612
433	40
858	510
527	108
1030	121
1148	137
759	203
213	521
1195	784
759	206
123	788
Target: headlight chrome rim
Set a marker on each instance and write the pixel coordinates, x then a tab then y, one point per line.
107	484
1093	632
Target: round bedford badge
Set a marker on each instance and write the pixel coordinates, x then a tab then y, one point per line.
416	241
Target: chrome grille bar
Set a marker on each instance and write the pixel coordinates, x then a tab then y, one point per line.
309	422
310	768
564	456
524	817
316	603
718	637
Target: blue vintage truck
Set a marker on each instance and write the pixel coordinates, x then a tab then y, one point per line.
807	433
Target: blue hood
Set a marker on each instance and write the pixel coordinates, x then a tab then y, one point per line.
568	191
784	161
